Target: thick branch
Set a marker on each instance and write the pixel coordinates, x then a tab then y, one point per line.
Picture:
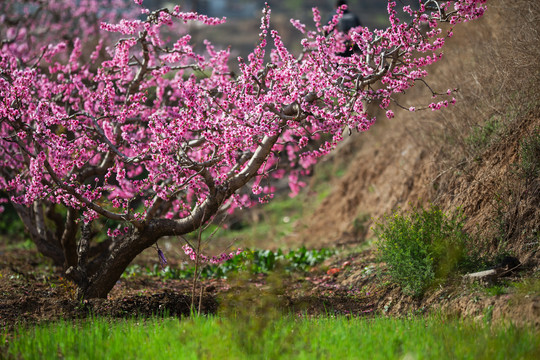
45	244
68	238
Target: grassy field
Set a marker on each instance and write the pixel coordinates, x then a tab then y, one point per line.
286	337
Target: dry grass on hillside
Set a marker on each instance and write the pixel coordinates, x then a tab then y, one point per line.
476	167
463	156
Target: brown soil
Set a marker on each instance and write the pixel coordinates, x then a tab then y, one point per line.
32	292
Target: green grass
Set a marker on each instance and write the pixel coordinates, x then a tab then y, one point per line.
496	290
284	338
529	286
268	226
277	219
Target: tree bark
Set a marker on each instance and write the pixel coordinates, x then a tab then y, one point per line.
45	241
123	251
122	254
68	239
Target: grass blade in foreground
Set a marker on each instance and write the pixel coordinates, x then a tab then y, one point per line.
286	338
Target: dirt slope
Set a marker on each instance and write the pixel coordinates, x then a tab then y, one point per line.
423	157
464	157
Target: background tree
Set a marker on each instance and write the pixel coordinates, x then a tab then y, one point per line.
111	118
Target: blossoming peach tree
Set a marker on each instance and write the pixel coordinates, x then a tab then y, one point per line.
120	119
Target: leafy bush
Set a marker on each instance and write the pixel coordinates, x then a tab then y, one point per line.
421	247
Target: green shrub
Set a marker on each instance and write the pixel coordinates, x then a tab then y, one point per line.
421	247
482	135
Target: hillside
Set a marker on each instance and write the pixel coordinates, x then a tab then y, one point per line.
459	157
469	156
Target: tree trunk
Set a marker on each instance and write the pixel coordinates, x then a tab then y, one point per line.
45	241
68	239
123	252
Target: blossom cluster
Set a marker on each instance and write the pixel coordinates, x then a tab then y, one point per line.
117	232
215	260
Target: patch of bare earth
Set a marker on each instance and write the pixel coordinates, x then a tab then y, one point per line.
32	293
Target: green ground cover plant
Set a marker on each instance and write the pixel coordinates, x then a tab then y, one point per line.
421	246
252	261
11	226
287	337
